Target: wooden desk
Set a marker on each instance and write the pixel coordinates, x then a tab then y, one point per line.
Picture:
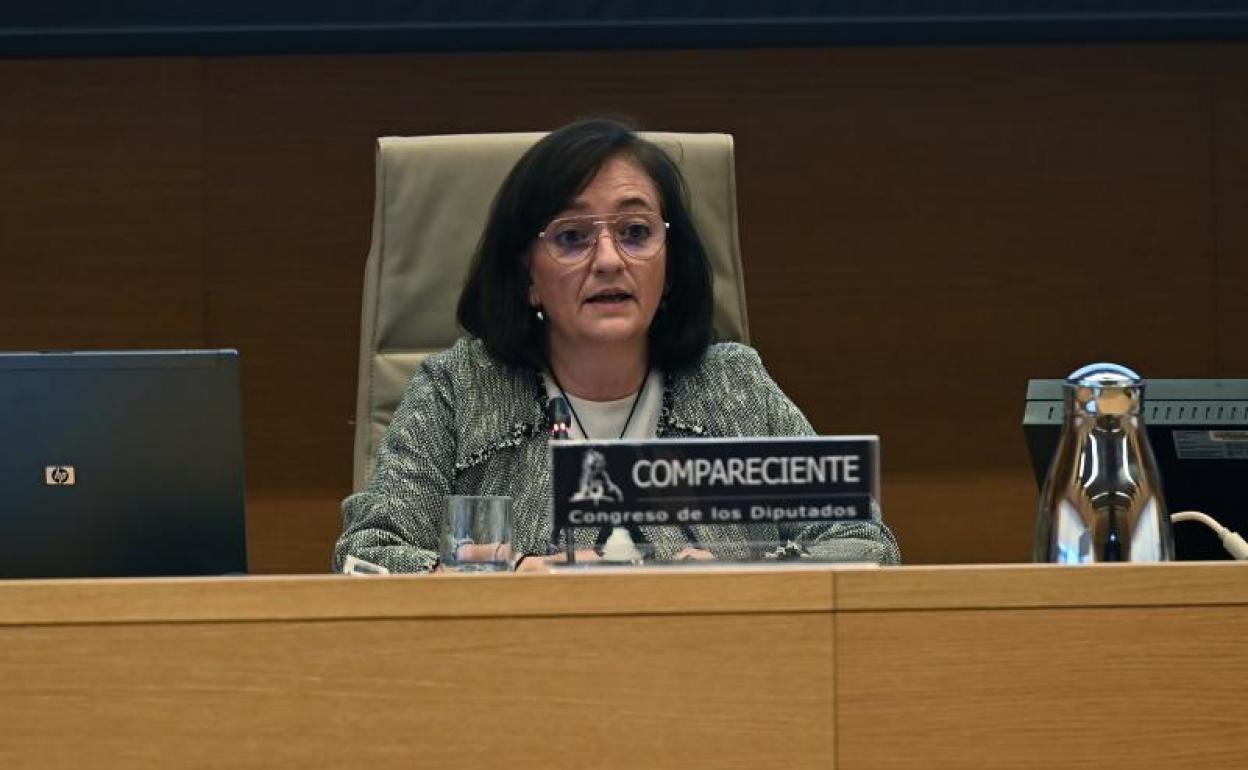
1043	667
1014	666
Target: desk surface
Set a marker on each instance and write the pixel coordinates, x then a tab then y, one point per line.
847	667
615	592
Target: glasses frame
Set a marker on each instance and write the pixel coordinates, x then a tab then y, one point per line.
599	221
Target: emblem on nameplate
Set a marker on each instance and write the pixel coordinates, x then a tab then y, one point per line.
595	484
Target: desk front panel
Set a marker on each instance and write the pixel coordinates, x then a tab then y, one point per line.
1041	667
461	682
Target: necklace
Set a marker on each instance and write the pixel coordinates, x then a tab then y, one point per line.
645	380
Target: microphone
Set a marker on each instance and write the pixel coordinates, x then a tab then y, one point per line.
559	413
560	416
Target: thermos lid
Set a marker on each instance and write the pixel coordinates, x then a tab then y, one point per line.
1105	389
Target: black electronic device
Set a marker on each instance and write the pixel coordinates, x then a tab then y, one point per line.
120	464
1198	430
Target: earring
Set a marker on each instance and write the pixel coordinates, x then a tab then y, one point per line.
540	315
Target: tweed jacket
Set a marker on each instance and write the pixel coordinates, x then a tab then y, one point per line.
471	425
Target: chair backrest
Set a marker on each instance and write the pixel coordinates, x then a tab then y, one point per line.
433	197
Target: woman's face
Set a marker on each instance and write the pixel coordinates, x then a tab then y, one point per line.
608	297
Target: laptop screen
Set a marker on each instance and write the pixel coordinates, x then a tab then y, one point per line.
120	464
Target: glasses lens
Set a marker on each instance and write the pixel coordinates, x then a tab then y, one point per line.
639	235
569	239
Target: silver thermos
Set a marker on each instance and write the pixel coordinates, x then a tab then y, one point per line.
1102	499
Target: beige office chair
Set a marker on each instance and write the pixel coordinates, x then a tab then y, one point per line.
433	195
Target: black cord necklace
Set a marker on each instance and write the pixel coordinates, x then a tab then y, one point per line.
645	380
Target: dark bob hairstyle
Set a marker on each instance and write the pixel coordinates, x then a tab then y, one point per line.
494	305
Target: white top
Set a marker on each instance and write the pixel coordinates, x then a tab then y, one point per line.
605	419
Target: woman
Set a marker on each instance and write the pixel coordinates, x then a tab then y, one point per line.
591	283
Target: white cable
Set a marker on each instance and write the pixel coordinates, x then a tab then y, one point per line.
1232	541
1203	518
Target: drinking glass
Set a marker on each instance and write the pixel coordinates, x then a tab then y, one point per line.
476	533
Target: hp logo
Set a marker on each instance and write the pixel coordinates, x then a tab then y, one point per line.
59	475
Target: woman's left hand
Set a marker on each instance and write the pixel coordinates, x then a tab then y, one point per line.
689	553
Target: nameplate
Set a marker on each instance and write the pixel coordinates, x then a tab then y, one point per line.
714	481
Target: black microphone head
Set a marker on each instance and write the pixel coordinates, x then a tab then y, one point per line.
560	416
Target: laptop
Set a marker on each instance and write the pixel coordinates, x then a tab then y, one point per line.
121	464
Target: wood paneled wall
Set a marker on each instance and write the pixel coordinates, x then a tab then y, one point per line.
923	228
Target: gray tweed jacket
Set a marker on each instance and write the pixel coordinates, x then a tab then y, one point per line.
471	425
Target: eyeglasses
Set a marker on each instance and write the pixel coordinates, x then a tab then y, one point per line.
637	234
